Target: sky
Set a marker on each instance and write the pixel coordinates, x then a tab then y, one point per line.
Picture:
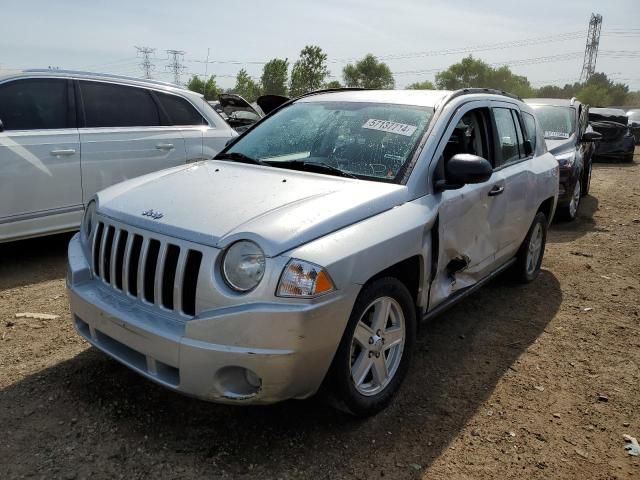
416	38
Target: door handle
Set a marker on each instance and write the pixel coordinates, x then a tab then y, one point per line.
164	146
496	190
63	152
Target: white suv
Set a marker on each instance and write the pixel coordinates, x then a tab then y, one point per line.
66	135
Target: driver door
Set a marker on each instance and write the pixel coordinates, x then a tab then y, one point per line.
469	218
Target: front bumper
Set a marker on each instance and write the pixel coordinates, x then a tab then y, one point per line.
252	353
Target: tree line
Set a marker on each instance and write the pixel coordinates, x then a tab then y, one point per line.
310	72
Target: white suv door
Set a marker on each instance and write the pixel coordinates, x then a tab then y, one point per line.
123	135
40	186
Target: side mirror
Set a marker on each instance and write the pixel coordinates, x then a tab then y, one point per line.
528	148
1	126
464	168
591	136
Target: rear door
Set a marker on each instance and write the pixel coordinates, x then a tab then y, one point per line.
39	157
514	168
123	135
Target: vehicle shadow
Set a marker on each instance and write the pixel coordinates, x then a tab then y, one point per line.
562	231
100	411
34	260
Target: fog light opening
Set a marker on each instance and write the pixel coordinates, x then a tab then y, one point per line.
237	383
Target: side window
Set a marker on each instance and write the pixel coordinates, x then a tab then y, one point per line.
34	104
530	127
179	111
519	133
469	136
507	135
111	105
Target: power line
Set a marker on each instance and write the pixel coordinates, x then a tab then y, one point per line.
175	67
146	64
591	48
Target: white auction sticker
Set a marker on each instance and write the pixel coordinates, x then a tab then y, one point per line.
390	127
556	134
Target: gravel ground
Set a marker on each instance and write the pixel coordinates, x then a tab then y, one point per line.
536	381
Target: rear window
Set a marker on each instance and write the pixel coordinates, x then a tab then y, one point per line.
179	110
34	104
111	105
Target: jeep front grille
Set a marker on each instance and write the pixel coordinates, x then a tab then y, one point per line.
150	269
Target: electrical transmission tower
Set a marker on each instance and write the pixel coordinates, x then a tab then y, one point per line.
591	50
175	66
146	65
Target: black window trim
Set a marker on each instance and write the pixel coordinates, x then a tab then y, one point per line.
520	159
523	127
72	117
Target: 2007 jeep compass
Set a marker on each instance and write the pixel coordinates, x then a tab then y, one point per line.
306	252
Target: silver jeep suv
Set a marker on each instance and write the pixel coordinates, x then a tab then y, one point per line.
306	252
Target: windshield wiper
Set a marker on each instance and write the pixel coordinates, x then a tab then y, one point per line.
241	158
314	166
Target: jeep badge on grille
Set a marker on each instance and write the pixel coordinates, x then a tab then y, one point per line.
153	214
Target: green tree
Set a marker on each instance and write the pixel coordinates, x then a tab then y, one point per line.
309	72
426	85
209	89
333	84
274	77
368	73
246	87
471	72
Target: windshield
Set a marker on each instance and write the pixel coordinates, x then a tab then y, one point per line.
369	140
556	122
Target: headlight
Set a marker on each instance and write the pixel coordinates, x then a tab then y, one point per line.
88	221
304	279
243	266
566	159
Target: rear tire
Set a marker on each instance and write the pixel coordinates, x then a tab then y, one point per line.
377	341
586	184
529	257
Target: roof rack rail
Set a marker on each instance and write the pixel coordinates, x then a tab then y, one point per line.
102	75
329	90
470	91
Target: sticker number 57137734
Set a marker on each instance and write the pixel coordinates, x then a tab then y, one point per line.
390	127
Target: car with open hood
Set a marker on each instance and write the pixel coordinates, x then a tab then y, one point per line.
304	255
569	137
240	114
618	142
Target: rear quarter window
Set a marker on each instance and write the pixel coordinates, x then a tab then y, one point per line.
530	129
179	111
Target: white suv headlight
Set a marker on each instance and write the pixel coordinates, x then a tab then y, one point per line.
305	280
88	221
243	266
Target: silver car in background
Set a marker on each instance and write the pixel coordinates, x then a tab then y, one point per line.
305	254
65	135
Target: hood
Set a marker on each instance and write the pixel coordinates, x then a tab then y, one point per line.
556	146
230	102
269	103
608	114
216	203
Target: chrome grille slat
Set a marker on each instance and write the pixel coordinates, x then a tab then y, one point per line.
177	284
112	263
142	263
105	231
157	287
114	250
126	260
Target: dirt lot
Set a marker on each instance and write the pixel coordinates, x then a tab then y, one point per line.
505	385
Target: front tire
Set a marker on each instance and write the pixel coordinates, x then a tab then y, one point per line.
375	350
570	212
529	258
